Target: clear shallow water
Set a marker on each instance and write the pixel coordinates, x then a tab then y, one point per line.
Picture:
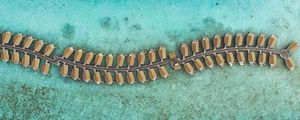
238	92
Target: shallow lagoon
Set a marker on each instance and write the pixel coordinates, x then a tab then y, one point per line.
238	92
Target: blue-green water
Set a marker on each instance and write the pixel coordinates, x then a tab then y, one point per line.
238	92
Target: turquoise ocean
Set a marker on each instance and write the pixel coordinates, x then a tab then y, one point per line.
124	26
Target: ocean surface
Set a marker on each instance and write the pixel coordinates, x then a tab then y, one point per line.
124	26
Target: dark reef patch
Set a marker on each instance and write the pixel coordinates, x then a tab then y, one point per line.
136	27
105	22
173	35
25	102
212	26
109	23
280	23
126	20
127	40
68	31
